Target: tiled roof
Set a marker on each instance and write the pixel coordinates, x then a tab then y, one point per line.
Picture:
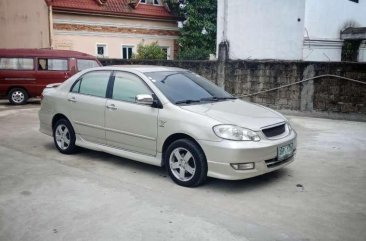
113	7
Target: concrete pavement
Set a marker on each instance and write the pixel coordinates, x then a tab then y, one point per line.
45	195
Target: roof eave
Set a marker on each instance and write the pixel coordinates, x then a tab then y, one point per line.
113	14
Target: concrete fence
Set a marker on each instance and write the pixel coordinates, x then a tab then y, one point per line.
247	78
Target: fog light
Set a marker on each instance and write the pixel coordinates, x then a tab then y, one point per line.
243	166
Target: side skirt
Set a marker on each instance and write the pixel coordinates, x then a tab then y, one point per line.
152	160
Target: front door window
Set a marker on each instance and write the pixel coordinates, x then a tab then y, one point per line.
127	86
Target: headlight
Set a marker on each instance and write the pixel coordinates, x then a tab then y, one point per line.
235	133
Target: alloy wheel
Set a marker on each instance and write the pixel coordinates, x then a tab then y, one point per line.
182	164
63	138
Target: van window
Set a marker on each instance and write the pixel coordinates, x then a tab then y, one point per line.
94	83
86	64
17	63
52	64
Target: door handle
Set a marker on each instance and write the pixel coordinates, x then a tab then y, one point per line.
72	99
111	107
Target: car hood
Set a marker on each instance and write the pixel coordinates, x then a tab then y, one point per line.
238	112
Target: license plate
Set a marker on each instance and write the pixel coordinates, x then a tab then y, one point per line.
285	151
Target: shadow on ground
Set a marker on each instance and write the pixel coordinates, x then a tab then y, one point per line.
31	103
212	184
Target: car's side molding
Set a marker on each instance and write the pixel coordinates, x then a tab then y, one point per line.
89	125
131	134
114	130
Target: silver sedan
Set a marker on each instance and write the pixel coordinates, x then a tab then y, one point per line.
166	117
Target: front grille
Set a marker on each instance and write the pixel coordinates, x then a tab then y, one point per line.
274	131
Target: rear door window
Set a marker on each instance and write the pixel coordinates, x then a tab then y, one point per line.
83	64
17	63
93	83
45	64
76	87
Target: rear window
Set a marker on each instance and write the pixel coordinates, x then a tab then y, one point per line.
93	83
86	64
52	64
17	63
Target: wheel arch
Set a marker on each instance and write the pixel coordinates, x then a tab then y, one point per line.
58	117
174	137
10	88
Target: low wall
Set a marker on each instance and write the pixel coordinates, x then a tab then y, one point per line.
243	78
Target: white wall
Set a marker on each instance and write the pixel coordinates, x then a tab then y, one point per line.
362	52
263	29
24	24
86	41
268	29
324	20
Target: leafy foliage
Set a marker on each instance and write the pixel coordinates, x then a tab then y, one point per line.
197	38
350	50
149	51
194	54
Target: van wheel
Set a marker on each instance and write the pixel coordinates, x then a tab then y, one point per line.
186	163
64	137
18	96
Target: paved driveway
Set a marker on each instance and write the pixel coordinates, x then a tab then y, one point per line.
95	196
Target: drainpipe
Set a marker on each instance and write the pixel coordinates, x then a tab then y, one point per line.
50	23
224	35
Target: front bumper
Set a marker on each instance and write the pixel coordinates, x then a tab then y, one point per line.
221	154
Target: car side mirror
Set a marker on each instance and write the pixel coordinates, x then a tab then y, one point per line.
144	99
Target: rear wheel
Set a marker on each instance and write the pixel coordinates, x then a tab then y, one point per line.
64	137
186	163
18	96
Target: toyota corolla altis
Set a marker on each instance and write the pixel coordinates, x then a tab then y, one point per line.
167	117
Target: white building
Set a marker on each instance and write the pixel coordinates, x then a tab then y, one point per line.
309	30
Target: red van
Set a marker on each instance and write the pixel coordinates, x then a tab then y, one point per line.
24	73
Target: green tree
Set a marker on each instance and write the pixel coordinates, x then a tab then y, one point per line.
197	38
149	51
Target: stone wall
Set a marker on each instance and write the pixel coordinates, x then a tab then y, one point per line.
243	78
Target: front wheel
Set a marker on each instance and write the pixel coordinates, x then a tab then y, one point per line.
18	96
186	163
64	137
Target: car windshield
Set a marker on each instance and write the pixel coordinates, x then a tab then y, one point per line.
185	87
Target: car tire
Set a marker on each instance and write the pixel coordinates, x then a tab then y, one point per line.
187	171
64	137
18	96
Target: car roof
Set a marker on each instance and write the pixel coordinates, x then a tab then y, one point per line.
146	68
44	53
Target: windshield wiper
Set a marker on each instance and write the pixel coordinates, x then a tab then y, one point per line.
187	101
215	98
